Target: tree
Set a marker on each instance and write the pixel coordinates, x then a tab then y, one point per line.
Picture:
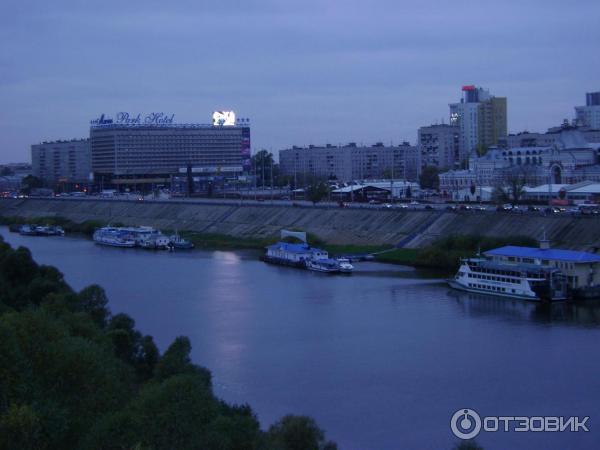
262	162
473	189
430	178
298	433
467	445
29	183
93	300
73	376
408	192
511	186
317	192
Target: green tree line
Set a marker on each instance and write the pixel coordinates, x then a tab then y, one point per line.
73	375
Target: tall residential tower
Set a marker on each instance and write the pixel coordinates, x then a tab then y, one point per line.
481	118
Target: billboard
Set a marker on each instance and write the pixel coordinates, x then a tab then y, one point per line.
223	118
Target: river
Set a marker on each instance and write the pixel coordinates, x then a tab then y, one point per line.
381	359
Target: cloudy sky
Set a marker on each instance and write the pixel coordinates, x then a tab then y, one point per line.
305	72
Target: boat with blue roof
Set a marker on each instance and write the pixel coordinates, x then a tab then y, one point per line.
537	274
303	256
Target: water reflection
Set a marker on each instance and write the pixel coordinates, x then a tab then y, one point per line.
583	314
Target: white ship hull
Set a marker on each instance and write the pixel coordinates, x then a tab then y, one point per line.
476	275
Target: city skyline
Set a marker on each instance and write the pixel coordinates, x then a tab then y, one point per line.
303	75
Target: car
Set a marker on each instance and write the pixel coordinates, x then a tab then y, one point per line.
402	206
552	210
480	208
428	207
531	208
414	202
451	208
386	205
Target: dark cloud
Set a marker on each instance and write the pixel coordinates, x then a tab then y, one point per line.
305	72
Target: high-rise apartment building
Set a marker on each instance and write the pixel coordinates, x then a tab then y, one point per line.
351	162
438	145
62	161
481	118
589	115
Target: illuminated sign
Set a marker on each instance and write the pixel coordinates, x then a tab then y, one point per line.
469	87
223	118
124	118
101	120
150	119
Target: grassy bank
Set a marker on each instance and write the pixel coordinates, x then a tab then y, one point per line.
445	253
406	256
212	241
354	249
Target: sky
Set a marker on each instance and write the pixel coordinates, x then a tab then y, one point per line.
304	72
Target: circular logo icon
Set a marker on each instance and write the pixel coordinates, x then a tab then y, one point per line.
465	423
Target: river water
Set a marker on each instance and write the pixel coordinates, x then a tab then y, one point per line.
381	359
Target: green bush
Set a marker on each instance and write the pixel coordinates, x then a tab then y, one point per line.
73	375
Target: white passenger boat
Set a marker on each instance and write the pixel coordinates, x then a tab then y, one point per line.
112	237
326	265
525	281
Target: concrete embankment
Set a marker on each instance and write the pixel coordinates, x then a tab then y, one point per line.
409	228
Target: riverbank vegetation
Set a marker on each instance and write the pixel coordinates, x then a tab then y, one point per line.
445	253
74	375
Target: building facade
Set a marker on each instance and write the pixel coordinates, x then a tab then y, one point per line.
438	145
481	118
350	162
589	115
547	139
569	160
62	161
137	151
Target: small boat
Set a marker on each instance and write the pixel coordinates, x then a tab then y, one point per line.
345	265
155	242
178	242
325	265
49	230
27	230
